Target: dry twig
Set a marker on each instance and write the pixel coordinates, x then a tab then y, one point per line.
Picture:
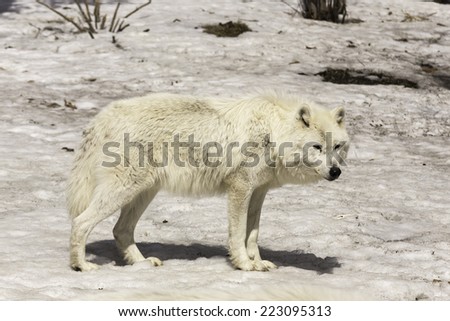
411	18
81	29
93	21
111	28
329	10
138	8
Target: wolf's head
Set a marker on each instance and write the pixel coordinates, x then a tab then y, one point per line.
314	143
327	142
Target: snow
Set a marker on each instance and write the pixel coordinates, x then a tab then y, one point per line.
382	229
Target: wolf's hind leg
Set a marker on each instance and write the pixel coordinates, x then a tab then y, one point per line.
108	198
125	226
82	226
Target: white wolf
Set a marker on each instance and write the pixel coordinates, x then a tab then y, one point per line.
198	146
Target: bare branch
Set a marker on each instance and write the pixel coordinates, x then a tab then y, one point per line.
103	24
91	22
138	8
97	13
85	16
293	8
115	25
111	27
123	28
87	10
81	29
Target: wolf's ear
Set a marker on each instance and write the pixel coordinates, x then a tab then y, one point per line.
339	115
304	115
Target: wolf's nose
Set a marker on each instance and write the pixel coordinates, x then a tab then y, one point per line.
335	172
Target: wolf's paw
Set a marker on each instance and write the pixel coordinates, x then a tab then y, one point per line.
84	266
257	265
246	265
154	261
263	265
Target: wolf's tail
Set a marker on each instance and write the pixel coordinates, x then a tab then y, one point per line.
81	181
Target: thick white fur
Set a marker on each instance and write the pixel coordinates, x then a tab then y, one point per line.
96	191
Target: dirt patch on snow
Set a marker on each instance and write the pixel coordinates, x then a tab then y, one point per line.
228	29
363	77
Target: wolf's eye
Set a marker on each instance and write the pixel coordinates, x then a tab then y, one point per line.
318	147
337	146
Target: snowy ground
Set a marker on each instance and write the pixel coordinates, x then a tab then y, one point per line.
382	228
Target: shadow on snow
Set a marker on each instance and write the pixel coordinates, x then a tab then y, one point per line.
106	252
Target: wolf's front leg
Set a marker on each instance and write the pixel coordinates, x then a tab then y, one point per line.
238	203
254	214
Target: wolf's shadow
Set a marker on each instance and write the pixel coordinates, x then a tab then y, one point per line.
106	252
